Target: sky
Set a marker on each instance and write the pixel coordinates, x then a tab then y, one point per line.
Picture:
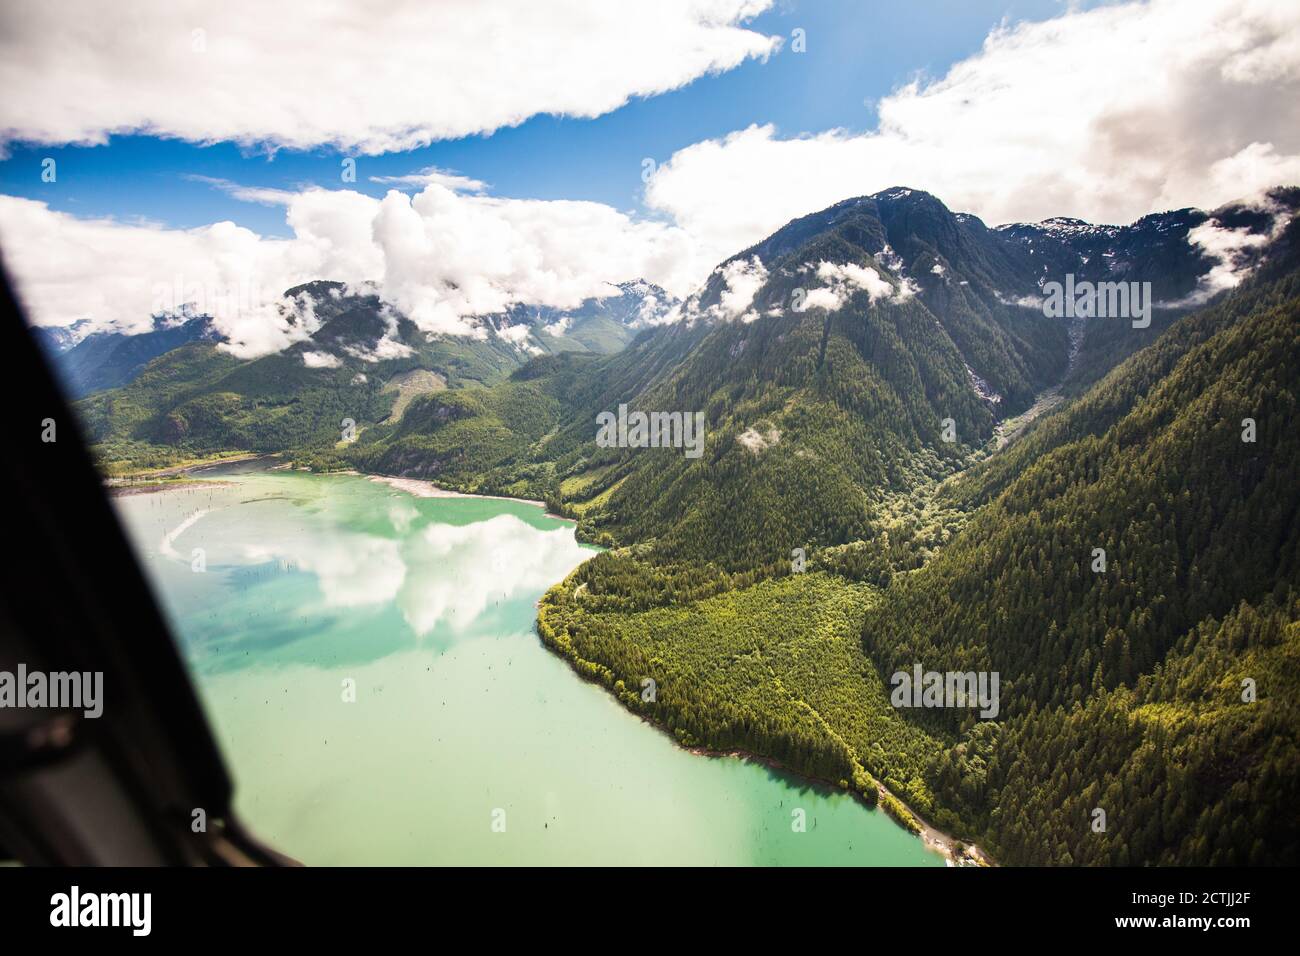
530	152
845	69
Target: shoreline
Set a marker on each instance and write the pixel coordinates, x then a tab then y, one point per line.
147	487
184	468
423	488
933	839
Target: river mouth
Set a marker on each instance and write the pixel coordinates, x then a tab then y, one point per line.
368	662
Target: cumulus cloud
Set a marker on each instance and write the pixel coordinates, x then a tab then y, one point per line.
743	278
320	360
117	275
432	174
382	351
518	336
1106	114
843	280
384	77
439	257
1232	251
559	326
447	255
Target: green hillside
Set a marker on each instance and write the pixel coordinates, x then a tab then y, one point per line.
1120	690
863	438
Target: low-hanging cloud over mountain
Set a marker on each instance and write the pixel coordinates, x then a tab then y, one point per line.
439	257
1104	114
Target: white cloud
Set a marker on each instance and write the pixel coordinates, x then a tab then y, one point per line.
439	257
843	280
1231	250
372	78
432	174
1106	115
259	194
320	360
743	278
518	336
118	274
447	255
386	347
559	326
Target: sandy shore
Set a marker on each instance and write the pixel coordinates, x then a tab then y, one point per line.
150	487
187	467
427	489
942	842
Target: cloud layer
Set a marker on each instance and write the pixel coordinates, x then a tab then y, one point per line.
1105	115
439	257
371	78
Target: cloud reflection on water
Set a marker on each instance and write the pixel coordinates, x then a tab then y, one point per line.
435	573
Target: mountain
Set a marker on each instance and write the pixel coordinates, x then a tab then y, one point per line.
56	339
823	432
599	324
914	317
1125	687
904	462
108	359
1187	255
961	334
181	395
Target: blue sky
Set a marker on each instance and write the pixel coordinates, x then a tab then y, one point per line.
857	53
1012	110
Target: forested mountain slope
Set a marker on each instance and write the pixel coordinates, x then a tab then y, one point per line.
357	355
826	360
978	288
108	359
849	513
1121	689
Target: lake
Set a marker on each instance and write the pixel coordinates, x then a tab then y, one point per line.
368	661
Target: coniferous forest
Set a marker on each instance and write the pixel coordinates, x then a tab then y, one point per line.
1106	517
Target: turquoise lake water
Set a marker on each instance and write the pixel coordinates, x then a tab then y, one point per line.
465	741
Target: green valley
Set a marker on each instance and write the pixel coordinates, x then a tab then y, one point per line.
867	501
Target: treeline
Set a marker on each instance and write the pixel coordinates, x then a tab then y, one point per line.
1184	769
1122	687
718	674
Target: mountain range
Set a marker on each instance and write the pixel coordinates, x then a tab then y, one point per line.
906	462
